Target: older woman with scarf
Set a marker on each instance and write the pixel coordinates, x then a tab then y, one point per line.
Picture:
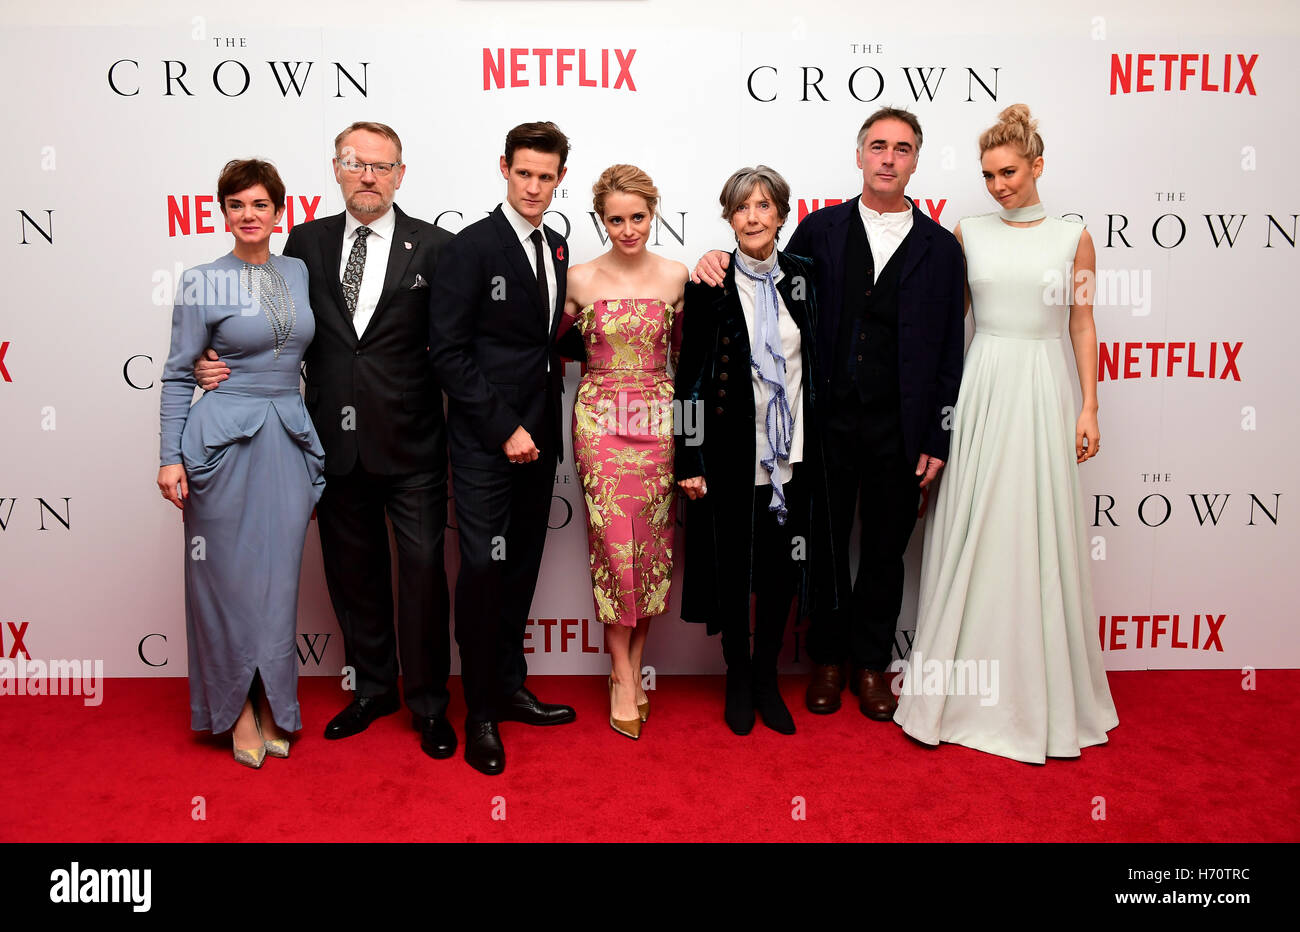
748	451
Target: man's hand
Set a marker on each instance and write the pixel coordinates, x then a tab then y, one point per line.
519	447
712	267
210	371
928	468
694	487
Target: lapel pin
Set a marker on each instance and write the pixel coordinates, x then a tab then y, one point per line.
407	245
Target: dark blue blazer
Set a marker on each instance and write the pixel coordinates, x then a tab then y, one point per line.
931	306
492	345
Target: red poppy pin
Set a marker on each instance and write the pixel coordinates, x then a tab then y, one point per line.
559	253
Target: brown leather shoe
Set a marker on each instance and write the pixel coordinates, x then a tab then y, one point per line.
876	700
823	696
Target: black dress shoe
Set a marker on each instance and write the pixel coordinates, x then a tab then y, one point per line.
437	737
360	712
524	707
483	748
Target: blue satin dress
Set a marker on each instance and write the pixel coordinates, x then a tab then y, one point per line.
256	470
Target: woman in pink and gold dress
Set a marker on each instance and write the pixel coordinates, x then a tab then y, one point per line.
624	304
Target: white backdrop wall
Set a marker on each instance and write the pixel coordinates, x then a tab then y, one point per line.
120	118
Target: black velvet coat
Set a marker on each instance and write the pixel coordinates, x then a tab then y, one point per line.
713	382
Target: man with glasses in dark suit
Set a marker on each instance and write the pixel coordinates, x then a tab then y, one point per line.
378	411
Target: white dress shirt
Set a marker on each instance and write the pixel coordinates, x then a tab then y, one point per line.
885	233
378	244
791	346
524	230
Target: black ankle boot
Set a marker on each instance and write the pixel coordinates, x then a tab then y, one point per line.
739	711
771	707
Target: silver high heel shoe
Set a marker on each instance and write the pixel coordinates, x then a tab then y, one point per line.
275	747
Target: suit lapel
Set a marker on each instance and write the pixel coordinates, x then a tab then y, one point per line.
517	259
796	306
560	260
400	251
331	253
917	248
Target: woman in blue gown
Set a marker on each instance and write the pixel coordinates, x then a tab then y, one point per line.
245	467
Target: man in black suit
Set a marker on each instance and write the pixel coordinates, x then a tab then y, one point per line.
495	307
890	284
378	411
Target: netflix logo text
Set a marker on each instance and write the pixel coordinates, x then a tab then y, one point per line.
562	636
807	206
1138	632
192	214
1193	71
504	68
1217	360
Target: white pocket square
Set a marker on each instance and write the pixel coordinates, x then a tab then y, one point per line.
419	282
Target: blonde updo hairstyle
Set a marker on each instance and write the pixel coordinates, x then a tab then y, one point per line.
623	179
1015	128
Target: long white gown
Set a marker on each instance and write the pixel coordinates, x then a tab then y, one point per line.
1006	657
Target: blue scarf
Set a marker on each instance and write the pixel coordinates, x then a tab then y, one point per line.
768	361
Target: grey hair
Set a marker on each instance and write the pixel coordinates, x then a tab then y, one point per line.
741	185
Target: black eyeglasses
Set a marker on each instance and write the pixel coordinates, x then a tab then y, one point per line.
379	168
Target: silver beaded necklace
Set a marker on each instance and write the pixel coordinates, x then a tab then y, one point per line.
271	291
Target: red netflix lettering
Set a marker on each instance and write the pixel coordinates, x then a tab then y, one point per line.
528	67
1213	78
1179	360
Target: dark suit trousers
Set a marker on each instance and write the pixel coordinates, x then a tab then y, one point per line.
862	629
502	514
354	545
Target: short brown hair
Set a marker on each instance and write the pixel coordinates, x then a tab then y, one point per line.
540	137
381	129
891	113
242	174
623	179
741	185
1016	128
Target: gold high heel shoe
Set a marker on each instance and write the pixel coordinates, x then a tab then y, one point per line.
643	708
629	727
275	747
249	757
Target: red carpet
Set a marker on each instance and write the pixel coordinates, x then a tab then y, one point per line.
1195	758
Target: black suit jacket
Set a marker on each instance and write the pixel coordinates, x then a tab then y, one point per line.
931	330
373	398
491	342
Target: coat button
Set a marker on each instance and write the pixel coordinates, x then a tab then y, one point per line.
722	393
862	336
723	377
868	292
859	357
356	352
726	341
725	358
718	409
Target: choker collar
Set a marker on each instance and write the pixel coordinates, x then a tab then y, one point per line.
1024	214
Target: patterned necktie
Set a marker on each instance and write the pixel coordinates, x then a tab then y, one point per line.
541	273
352	272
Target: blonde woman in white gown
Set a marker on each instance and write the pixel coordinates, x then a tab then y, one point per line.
1006	658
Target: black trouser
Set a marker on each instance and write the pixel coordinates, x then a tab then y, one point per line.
779	557
861	630
502	513
354	546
